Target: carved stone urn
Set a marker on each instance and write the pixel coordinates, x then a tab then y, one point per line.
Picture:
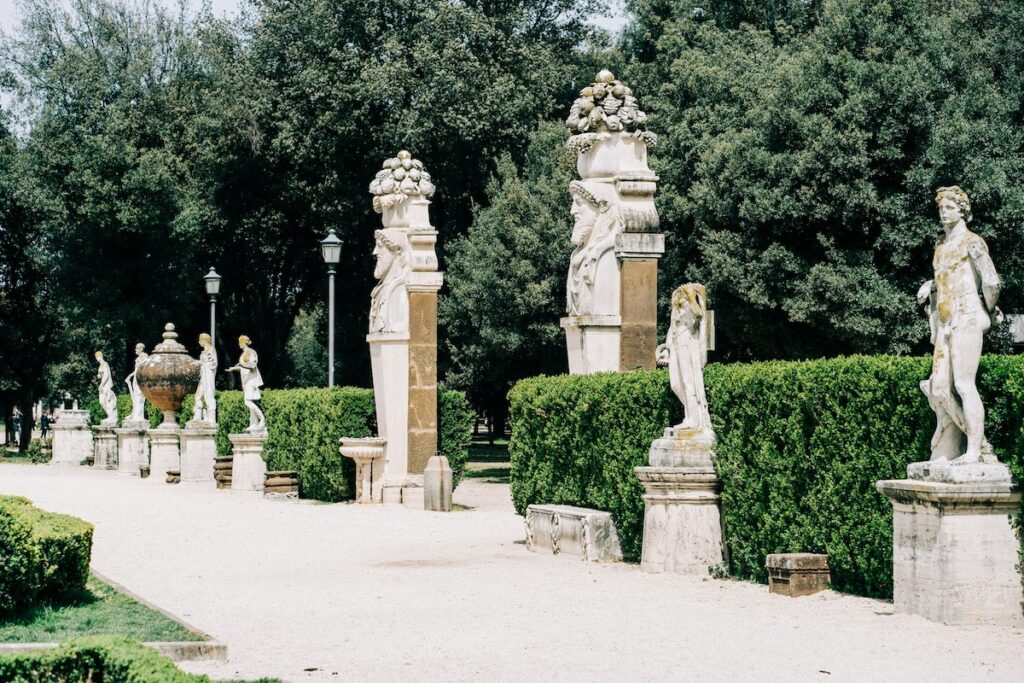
168	376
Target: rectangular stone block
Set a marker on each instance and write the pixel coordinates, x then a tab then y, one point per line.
797	574
589	534
955	552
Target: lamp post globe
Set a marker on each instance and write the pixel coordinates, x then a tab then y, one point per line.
330	247
212	280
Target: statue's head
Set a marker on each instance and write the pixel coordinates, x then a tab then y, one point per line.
205	340
140	349
594	210
244	342
99	356
953	205
689	303
387	250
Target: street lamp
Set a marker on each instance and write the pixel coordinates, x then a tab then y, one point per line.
213	289
331	247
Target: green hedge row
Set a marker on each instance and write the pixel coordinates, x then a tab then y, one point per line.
305	427
801	445
43	555
111	659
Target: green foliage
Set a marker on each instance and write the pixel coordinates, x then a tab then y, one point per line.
43	555
124	409
507	276
94	658
798	167
40	450
305	427
98	610
800	447
307	351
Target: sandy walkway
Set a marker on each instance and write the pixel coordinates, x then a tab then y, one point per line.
307	591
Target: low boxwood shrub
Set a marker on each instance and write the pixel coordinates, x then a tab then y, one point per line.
801	445
43	555
95	658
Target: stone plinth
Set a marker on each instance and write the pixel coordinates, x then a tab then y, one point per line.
593	343
248	469
368	454
682	520
164	452
72	438
198	451
565	529
955	552
797	574
104	448
132	449
437	485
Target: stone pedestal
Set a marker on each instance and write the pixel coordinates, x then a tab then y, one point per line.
104	448
797	574
198	451
72	438
132	448
955	553
248	469
682	521
369	456
437	485
164	452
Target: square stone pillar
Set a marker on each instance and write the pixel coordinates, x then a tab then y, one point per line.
248	469
72	438
165	453
955	552
104	448
422	379
132	449
638	254
198	452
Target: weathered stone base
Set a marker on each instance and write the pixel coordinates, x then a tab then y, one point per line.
955	552
682	523
132	450
797	574
164	453
437	485
954	472
72	438
592	342
565	529
248	469
368	454
198	452
104	448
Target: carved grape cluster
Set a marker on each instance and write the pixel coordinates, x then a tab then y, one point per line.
401	177
606	104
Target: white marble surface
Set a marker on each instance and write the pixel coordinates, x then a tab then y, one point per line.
132	450
72	438
198	453
164	454
248	469
104	448
685	352
570	530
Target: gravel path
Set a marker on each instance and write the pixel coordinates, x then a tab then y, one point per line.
307	591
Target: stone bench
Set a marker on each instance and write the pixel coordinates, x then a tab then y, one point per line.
572	530
796	574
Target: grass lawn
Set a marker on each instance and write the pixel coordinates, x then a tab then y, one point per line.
12	455
482	451
99	610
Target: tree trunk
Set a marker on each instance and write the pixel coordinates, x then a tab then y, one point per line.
27	421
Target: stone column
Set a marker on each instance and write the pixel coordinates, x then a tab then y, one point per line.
198	452
955	552
612	286
132	448
104	448
682	519
248	469
165	453
402	337
72	438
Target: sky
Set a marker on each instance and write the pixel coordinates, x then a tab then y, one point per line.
9	13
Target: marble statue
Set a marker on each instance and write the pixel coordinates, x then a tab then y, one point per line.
251	383
961	305
138	399
206	400
389	304
108	400
593	281
685	352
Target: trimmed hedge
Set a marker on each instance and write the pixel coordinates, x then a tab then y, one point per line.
43	555
801	445
305	427
95	658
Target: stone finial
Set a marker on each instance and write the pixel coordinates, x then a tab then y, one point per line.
605	106
402	177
